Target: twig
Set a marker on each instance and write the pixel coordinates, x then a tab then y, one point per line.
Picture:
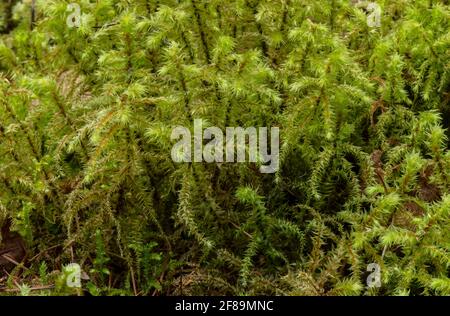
44	251
36	288
7	257
133	281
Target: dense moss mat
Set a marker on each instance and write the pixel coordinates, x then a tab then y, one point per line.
87	107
